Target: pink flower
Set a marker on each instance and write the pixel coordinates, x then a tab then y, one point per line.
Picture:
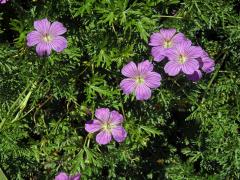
207	64
140	79
3	1
196	76
108	124
183	58
162	41
47	36
64	176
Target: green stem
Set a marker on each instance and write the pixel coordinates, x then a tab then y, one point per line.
175	17
122	107
164	101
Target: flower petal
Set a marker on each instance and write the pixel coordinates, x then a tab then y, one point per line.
172	68
42	26
158	53
145	67
102	114
57	29
43	49
183	47
128	85
168	33
59	43
156	39
142	92
194	52
61	176
119	134
190	66
152	79
34	38
116	118
3	1
208	65
75	177
178	38
172	54
130	70
93	126
196	76
103	137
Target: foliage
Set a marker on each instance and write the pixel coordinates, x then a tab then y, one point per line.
185	131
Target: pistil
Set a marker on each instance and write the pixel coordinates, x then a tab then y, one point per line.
139	80
47	38
167	43
182	59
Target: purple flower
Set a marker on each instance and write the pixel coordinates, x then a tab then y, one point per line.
64	176
207	64
109	124
3	1
140	79
196	76
162	41
47	36
183	57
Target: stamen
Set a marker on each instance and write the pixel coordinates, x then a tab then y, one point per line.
107	126
182	59
139	80
167	43
47	38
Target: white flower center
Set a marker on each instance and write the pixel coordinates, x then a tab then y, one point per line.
182	59
107	126
47	38
167	43
139	80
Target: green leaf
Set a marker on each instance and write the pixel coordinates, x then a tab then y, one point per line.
150	130
2	175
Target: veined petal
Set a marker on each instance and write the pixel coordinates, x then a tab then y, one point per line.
119	134
168	33
194	52
156	39
182	48
130	70
42	26
152	79
116	118
158	53
172	68
128	85
59	43
102	114
104	137
178	38
43	49
142	92
57	29
93	126
34	38
145	67
172	54
190	66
